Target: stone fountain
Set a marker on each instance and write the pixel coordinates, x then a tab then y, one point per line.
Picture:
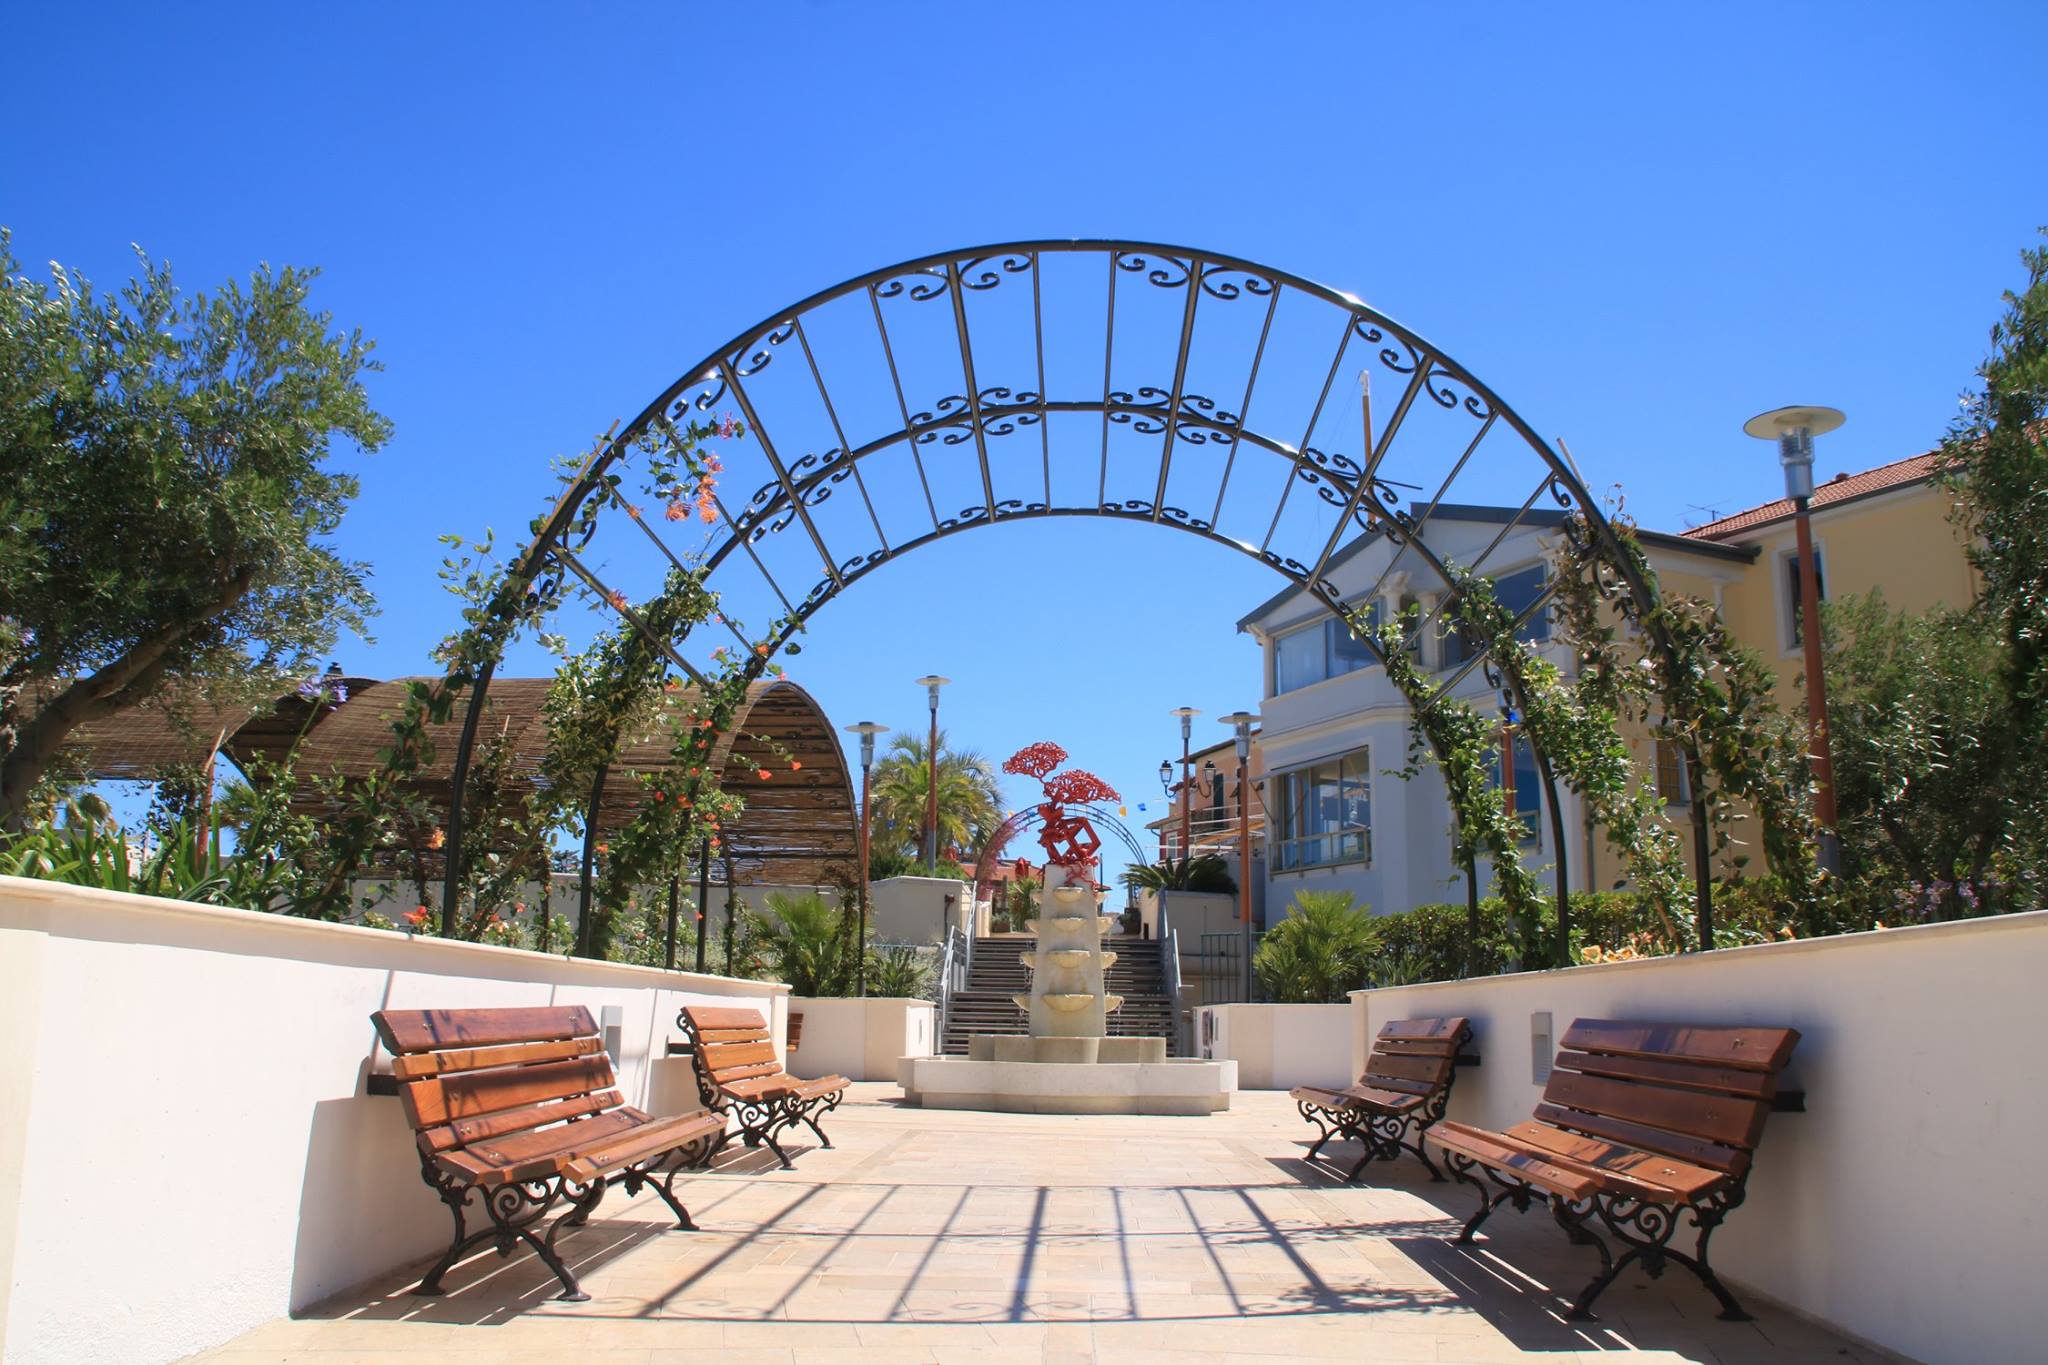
1068	1064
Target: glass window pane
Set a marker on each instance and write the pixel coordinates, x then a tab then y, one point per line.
1517	592
1298	659
1347	651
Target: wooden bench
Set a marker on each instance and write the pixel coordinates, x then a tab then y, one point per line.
519	1108
1641	1123
738	1074
1407	1083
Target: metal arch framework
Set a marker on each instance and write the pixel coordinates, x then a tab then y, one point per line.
1027	817
983	406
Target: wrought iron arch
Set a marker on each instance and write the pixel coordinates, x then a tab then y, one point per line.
991	397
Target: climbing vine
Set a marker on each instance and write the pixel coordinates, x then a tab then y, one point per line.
1578	729
1460	741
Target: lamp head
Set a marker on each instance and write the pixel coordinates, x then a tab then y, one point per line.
1187	715
1166	775
1241	722
931	683
1793	429
867	730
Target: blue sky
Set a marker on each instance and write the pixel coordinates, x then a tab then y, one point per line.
1640	224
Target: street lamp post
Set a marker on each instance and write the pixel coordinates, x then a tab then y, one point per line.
1794	429
931	683
1187	716
1241	723
867	730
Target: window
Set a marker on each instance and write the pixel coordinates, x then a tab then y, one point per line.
1795	594
1517	592
1304	657
1672	787
1325	813
1528	789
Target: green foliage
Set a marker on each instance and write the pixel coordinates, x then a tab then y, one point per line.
1319	952
1930	776
166	497
808	944
1197	872
970	796
1461	742
90	850
898	971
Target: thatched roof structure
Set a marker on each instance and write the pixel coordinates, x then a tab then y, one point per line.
796	823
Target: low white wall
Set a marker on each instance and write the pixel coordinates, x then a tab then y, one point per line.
918	909
1901	1207
861	1039
186	1146
1277	1047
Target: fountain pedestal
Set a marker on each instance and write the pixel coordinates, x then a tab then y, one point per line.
1068	1064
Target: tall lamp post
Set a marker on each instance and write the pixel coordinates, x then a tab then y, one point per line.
1187	716
867	730
1241	724
931	683
1794	429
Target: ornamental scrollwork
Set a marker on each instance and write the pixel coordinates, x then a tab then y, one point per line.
765	355
1226	282
931	283
1167	272
1012	263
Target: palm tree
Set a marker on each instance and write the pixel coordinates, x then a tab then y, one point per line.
1319	952
970	796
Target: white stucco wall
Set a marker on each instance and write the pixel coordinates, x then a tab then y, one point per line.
918	909
1899	1208
186	1146
862	1039
1277	1047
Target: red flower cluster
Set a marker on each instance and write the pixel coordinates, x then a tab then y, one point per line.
1076	787
1035	760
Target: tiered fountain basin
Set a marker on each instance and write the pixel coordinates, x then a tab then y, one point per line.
1068	1064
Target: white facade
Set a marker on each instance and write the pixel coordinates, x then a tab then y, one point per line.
1404	858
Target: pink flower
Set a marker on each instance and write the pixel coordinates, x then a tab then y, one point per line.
675	511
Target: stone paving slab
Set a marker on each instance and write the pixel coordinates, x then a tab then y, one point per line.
936	1236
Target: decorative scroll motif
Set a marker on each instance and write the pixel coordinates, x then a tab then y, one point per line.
1443	385
1013	263
929	283
1221	281
1402	361
761	358
1168	272
1198	420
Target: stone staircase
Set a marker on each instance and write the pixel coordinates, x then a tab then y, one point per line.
985	1006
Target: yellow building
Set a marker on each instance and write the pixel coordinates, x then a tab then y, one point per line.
1887	528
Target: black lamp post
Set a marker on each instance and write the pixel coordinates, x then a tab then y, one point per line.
931	683
1241	723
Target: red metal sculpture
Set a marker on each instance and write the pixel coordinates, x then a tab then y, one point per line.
1069	839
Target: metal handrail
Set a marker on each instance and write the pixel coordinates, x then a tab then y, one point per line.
946	984
1169	964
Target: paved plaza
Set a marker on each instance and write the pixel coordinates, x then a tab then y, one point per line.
948	1236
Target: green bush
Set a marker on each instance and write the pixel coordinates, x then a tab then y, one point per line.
1318	953
898	971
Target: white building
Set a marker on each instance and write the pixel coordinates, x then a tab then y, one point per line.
1335	732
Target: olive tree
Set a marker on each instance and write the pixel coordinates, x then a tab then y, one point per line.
167	496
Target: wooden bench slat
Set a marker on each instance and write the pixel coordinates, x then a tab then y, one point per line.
415	1065
650	1137
1428	1070
474	1093
1717	1118
447	1136
1699	1151
1413	1029
733	1035
1748	1048
720	1056
1490	1149
745	1073
724	1016
1420	1047
1719	1080
1423	1089
404	1031
537	1153
1660	1175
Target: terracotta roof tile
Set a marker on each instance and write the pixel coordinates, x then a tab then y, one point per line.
1841	488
